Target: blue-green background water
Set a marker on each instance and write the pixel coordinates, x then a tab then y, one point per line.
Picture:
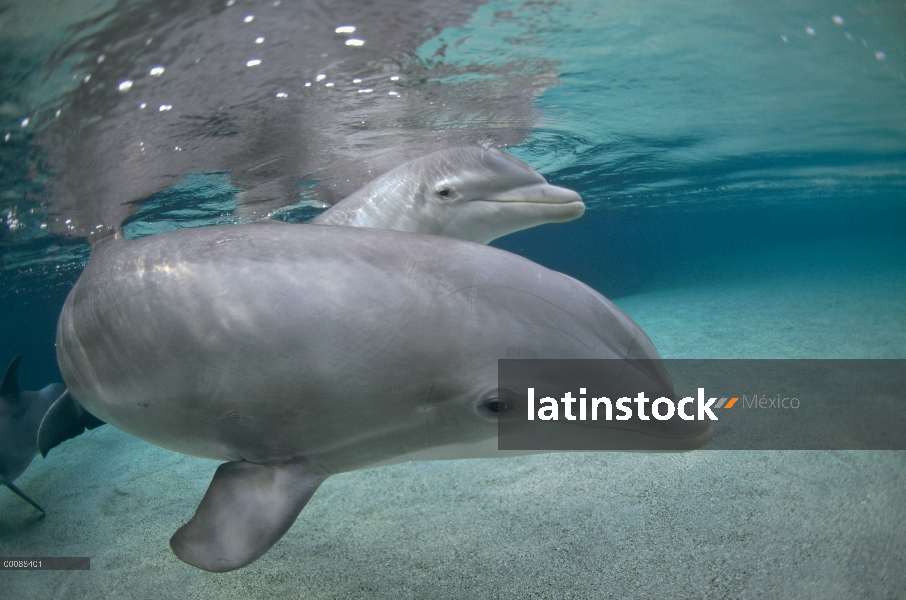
744	167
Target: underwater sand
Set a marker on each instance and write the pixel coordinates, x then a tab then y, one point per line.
704	524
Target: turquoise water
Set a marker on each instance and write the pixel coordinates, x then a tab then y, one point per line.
744	168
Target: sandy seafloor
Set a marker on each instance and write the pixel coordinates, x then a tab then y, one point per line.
704	524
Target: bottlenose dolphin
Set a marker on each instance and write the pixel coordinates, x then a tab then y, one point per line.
21	412
470	193
294	352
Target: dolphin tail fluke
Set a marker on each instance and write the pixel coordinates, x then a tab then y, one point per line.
245	511
65	419
15	489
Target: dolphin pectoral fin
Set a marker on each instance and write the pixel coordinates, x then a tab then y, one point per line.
15	489
245	511
64	420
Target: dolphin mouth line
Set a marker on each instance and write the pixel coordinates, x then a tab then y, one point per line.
602	438
559	201
533	202
542	193
634	428
706	434
659	443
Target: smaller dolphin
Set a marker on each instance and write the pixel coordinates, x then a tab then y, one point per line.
469	193
34	421
20	416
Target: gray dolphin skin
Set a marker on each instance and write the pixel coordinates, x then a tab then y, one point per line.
293	352
21	412
470	193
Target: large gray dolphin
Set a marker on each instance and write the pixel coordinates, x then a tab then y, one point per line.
293	352
468	192
21	412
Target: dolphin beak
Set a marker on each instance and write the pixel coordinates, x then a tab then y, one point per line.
677	437
672	434
565	435
651	375
542	193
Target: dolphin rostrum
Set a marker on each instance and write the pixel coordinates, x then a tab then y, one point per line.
293	352
467	192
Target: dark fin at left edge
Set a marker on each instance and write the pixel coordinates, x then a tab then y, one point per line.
21	494
64	420
9	388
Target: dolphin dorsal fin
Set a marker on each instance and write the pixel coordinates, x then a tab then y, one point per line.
9	388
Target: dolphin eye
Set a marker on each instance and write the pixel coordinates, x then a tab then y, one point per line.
494	406
497	402
444	192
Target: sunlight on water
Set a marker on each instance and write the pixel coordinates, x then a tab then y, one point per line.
667	104
642	106
667	101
